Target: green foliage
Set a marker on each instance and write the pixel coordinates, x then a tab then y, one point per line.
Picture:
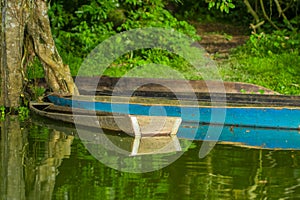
222	5
79	29
148	63
270	60
35	70
209	10
37	92
23	113
2	113
279	72
156	16
278	42
73	61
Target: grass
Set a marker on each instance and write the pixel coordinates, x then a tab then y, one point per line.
278	72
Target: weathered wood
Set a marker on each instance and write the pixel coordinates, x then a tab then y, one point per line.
107	85
236	93
66	114
145	125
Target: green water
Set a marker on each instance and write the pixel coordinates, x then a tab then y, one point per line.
45	160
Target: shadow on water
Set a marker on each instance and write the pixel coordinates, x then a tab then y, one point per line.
46	160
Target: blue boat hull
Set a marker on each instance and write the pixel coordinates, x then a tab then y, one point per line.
269	117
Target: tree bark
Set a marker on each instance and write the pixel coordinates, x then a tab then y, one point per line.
57	74
11	51
15	16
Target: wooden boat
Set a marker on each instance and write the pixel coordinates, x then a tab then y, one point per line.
244	104
269	111
158	87
249	137
131	124
243	115
151	134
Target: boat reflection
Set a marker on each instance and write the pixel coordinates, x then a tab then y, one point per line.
243	136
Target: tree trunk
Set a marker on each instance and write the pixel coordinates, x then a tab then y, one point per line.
29	19
12	36
57	74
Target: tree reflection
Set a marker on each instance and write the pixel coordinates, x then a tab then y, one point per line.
13	144
29	171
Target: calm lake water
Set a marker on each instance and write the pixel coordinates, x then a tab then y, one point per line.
44	160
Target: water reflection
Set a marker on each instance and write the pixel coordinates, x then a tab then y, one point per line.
122	152
42	168
12	145
237	173
29	167
44	160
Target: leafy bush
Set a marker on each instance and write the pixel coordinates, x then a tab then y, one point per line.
278	42
150	58
93	22
79	28
211	10
271	60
